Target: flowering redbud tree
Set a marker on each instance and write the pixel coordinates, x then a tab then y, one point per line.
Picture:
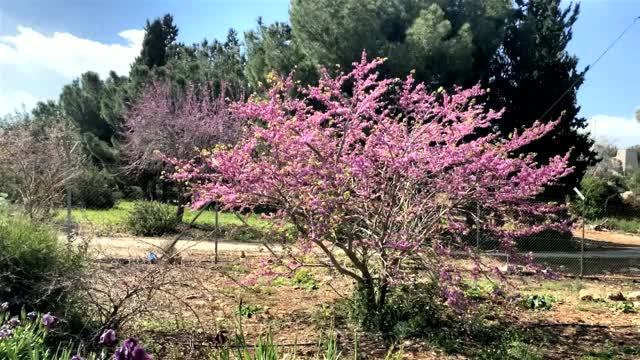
373	172
176	123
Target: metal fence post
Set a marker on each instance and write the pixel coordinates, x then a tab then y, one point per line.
215	257
67	183
478	226
582	244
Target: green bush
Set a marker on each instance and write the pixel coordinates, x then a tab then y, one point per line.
410	311
152	218
538	302
93	189
602	199
134	193
36	269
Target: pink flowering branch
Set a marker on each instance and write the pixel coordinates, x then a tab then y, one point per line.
374	172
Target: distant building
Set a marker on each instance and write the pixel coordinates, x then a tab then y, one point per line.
629	159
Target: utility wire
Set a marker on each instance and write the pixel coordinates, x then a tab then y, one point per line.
593	64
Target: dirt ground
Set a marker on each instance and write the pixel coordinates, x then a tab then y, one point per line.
613	238
186	304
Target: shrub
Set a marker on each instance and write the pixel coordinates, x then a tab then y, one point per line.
36	269
384	172
152	218
602	198
410	311
134	193
539	302
94	189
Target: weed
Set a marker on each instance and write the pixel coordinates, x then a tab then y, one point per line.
304	278
247	310
626	307
538	302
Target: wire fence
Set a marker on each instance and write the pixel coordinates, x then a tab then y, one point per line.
608	245
605	246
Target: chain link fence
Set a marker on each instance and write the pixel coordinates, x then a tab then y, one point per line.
594	247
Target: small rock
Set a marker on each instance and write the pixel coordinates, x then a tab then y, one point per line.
634	295
616	296
586	295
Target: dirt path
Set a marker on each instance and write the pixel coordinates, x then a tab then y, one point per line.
609	237
132	247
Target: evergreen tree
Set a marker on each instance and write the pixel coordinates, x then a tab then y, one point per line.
531	72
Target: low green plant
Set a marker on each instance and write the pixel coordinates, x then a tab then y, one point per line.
410	311
37	271
626	307
152	218
243	233
482	290
607	352
247	310
511	345
26	339
305	279
538	302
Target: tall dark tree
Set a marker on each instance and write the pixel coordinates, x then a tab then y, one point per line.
96	108
159	36
532	70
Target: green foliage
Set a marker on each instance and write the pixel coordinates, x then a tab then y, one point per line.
305	279
36	269
622	224
626	307
511	345
28	341
133	193
601	198
159	35
269	49
607	352
248	310
93	189
444	41
243	233
410	311
482	290
152	218
532	70
538	302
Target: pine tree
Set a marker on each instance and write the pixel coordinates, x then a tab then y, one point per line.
531	72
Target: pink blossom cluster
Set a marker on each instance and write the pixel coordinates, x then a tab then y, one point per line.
374	172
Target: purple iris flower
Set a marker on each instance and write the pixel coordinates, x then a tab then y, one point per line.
77	357
5	333
4	306
49	321
131	350
13	323
108	338
32	315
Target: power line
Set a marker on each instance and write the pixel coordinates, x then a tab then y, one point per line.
592	65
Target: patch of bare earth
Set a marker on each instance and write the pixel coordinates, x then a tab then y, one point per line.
199	300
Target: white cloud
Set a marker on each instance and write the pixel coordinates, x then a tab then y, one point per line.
68	54
61	56
619	131
16	100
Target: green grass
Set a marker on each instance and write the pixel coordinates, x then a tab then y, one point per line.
114	220
624	225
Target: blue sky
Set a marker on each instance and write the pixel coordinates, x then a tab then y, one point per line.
44	44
